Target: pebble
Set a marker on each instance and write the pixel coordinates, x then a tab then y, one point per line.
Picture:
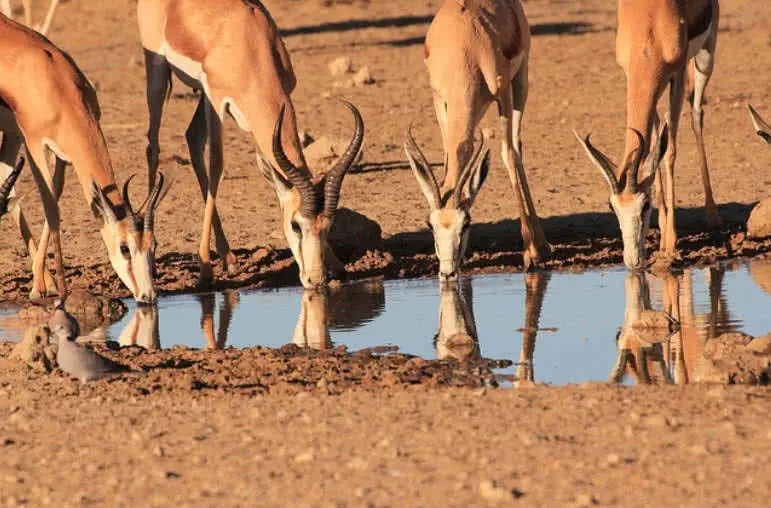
341	65
491	491
305	457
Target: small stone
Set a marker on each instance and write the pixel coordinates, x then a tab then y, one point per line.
341	65
613	459
363	77
158	451
358	464
491	491
656	422
305	457
585	500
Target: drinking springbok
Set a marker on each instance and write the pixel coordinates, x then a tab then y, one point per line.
231	51
477	54
47	102
655	41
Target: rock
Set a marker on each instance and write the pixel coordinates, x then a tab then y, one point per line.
491	491
759	223
325	151
761	345
340	66
363	77
35	350
352	230
90	310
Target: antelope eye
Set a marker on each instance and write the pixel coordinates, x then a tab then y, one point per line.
124	250
296	227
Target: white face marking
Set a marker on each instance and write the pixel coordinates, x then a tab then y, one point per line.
132	262
450	229
307	248
633	218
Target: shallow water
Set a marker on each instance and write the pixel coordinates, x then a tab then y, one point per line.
557	328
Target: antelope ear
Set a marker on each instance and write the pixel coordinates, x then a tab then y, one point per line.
426	180
600	161
280	185
661	148
478	177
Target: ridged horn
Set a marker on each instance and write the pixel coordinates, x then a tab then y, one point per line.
309	202
334	177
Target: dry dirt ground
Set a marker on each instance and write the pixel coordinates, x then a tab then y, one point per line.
285	428
574	83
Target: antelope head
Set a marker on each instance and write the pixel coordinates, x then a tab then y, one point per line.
761	127
312	330
130	238
308	204
450	214
630	198
7	187
457	334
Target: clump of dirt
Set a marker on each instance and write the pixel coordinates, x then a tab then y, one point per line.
291	369
35	351
734	358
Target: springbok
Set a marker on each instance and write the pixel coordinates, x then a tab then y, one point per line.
5	7
6	199
761	127
47	102
456	336
477	53
654	43
231	50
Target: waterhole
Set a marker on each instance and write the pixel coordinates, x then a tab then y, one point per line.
554	328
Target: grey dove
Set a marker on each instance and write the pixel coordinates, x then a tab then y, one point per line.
62	324
75	359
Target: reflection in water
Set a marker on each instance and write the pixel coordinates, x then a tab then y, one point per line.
143	329
312	330
535	290
344	307
457	336
641	338
667	346
585	313
208	302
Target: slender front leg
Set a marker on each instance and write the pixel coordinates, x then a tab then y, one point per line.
703	64
27	12
47	187
49	17
158	75
214	127
196	136
8	152
208	302
676	95
511	107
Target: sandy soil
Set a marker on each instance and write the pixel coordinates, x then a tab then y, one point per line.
279	427
575	83
292	427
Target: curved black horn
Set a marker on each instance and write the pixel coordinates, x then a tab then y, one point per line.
126	197
152	204
634	169
411	148
308	200
600	161
457	193
5	190
334	177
